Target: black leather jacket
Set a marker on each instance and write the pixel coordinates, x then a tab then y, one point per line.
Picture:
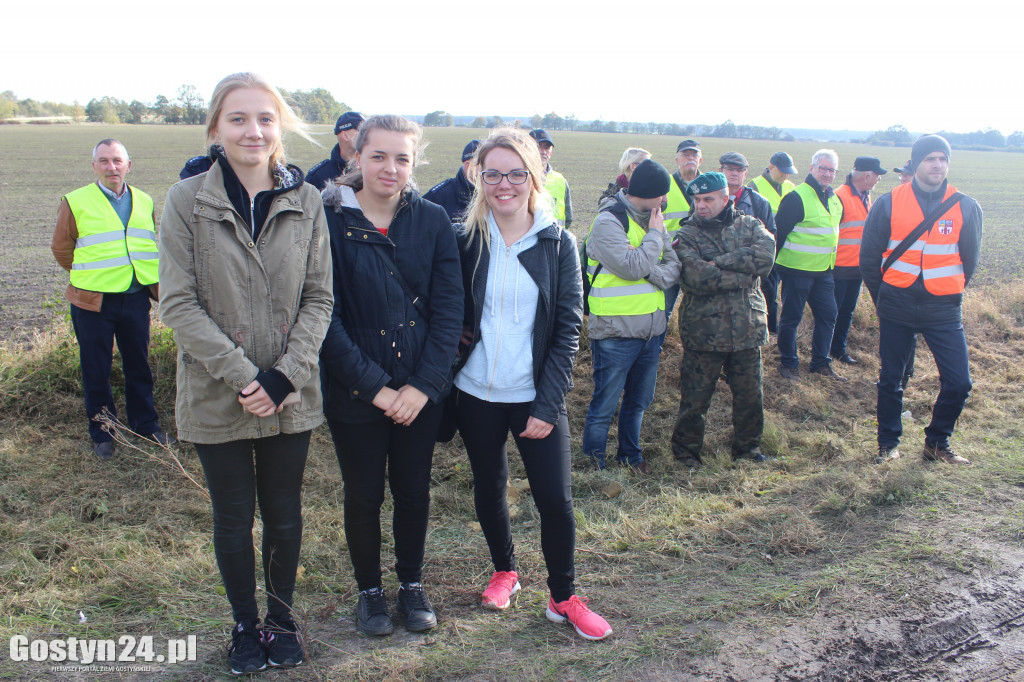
554	264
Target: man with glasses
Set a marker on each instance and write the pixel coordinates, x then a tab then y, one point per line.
554	182
773	183
921	246
677	205
807	225
630	263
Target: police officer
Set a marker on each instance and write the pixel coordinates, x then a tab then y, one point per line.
554	182
855	194
106	238
454	194
920	248
722	321
346	128
807	225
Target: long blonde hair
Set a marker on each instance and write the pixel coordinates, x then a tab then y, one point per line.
353	177
290	122
525	147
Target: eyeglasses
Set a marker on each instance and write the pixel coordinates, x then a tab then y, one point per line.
826	170
516	177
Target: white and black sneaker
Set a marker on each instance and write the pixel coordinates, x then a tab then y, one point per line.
246	652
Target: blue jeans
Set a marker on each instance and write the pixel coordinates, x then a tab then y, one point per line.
797	292
847	291
896	346
626	367
124	317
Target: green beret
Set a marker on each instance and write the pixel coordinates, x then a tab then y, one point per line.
705	183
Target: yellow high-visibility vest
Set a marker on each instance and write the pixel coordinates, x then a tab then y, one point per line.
811	246
612	295
107	253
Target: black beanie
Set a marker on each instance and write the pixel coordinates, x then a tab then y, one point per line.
649	180
925	145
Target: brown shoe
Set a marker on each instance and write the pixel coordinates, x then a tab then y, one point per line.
791	373
826	370
934	453
886	455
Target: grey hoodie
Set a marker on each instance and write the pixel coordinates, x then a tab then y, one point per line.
654	260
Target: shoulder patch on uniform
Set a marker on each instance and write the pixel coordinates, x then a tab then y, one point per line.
437	186
318	166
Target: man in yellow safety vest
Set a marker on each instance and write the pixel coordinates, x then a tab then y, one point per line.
106	238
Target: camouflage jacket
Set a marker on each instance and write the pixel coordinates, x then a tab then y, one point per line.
723	309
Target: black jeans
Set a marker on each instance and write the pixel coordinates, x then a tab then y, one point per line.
485	427
124	317
366	453
239	474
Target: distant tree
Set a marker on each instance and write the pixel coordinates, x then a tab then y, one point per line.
994	138
596	126
571	122
479	122
101	111
552	121
725	129
315	106
1015	139
192	104
437	119
8	104
159	105
536	120
494	122
895	134
611	127
137	111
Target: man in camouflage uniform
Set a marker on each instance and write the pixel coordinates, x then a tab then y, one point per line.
723	318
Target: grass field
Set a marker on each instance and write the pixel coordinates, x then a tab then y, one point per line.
818	565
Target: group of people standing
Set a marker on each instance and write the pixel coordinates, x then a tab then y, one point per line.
357	302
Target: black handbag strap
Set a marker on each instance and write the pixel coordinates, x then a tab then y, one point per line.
925	225
416	301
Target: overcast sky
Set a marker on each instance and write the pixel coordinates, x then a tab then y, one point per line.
862	66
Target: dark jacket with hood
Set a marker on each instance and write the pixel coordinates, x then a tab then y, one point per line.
453	195
328	169
377	336
554	265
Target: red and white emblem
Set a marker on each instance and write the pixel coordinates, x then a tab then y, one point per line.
945	226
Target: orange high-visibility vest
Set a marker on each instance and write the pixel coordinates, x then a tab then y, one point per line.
851	228
935	256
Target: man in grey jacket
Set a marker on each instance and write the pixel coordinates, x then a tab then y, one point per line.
629	265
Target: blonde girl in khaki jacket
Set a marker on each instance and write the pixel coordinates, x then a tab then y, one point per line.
246	285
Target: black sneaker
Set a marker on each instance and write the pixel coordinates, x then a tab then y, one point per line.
283	642
372	617
246	651
415	607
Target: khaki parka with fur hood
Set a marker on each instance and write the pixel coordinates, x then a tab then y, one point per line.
238	307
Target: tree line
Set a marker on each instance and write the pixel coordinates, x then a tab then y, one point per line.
188	106
988	138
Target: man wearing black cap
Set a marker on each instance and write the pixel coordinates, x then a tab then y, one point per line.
807	225
677	205
856	197
346	128
630	263
554	182
722	322
774	183
920	248
454	194
906	173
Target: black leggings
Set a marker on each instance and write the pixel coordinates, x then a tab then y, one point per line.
366	452
484	427
237	478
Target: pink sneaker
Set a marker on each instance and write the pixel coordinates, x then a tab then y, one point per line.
499	591
588	624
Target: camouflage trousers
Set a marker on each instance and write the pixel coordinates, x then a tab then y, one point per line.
699	374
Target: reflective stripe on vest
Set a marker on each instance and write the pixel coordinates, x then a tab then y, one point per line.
935	256
767	190
851	228
612	295
555	185
106	253
676	206
811	246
